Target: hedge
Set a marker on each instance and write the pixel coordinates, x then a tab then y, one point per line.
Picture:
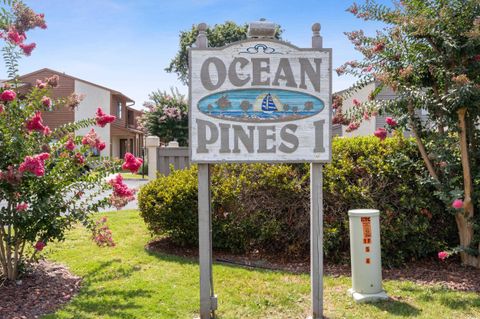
265	207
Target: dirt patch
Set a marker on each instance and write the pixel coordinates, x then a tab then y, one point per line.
39	292
433	272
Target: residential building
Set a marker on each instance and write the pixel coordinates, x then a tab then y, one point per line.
120	136
367	127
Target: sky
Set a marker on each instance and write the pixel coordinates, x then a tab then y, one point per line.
125	45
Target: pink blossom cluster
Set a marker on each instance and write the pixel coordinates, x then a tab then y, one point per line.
79	158
27	19
121	193
391	122
39	245
11	176
132	163
121	189
46	101
457	204
443	255
381	133
170	112
352	126
48	82
17	38
21	207
102	118
8	96
73	100
36	124
92	139
34	164
70	145
102	235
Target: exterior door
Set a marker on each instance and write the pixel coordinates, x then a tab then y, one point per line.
123	147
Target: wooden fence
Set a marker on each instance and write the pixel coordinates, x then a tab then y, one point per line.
176	156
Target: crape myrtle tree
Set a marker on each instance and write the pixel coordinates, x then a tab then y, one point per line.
49	178
429	54
217	36
166	116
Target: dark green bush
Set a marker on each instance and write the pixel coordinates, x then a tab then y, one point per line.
266	207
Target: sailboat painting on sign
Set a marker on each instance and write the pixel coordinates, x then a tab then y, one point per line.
268	106
257	105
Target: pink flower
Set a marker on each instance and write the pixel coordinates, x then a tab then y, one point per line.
8	95
39	245
381	133
102	118
21	207
132	163
27	48
47	131
14	37
379	47
46	101
34	164
356	102
457	204
391	122
79	158
40	84
92	139
35	123
368	68
120	189
477	58
70	145
442	255
353	9
353	126
53	81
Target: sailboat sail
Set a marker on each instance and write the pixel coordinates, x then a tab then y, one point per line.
267	104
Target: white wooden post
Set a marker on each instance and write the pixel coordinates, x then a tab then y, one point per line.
316	219
152	143
208	299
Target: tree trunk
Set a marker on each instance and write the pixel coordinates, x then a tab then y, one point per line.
421	147
463	218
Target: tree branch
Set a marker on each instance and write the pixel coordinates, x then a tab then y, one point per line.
421	146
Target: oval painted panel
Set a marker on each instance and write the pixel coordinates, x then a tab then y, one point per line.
260	105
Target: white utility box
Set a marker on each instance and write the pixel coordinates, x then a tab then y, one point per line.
365	251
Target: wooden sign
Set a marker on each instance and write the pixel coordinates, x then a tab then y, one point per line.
260	100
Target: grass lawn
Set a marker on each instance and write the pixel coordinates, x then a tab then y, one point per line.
132	176
128	282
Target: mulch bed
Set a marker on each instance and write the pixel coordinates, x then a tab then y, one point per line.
39	292
430	272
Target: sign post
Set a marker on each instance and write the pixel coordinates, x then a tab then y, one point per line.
260	100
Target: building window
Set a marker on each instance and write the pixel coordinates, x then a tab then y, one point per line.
119	110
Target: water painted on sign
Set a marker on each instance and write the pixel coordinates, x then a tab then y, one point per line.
255	105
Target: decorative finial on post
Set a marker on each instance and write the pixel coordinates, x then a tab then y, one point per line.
202	41
261	29
317	41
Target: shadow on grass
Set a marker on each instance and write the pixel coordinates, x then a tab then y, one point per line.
398	308
95	302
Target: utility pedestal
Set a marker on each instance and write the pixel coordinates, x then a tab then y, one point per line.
365	251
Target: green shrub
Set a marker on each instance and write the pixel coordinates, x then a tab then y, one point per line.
266	207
